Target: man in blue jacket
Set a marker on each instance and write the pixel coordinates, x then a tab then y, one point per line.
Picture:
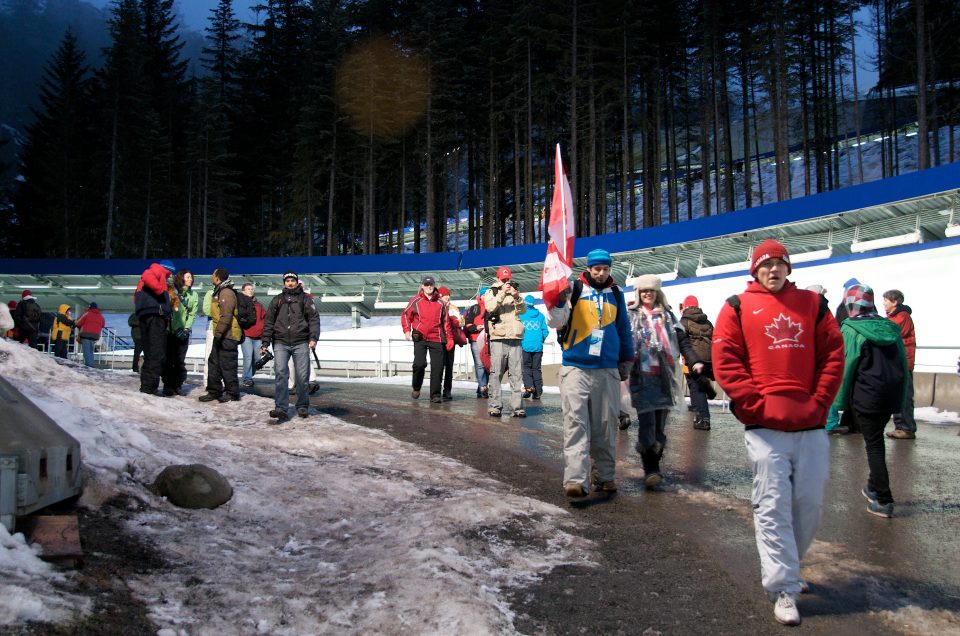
597	353
535	332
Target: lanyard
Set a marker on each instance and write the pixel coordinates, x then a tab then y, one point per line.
598	298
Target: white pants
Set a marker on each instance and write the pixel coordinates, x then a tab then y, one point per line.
790	472
590	401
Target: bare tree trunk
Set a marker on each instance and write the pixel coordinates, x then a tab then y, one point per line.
923	141
856	96
745	114
626	179
706	125
432	232
490	221
531	213
111	195
573	110
332	186
190	213
517	235
146	215
592	154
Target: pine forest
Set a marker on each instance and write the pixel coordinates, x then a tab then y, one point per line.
335	127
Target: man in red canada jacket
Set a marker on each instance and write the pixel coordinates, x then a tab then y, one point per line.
779	356
424	321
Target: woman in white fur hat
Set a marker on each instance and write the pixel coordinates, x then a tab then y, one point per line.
659	341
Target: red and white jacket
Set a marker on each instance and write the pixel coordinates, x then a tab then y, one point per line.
780	366
427	315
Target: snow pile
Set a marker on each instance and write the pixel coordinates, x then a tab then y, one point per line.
332	527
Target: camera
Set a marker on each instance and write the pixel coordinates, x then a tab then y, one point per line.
513	284
264	359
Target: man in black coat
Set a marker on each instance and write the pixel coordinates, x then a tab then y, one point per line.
27	319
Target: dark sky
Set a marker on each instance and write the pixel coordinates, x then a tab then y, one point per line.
196	13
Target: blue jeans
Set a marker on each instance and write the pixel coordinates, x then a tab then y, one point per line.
301	367
251	352
87	345
481	371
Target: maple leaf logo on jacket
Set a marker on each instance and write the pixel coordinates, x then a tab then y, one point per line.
783	330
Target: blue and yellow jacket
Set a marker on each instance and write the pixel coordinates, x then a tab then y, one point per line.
603	308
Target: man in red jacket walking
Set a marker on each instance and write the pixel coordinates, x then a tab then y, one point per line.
424	321
779	357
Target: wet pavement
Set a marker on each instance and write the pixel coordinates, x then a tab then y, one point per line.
867	573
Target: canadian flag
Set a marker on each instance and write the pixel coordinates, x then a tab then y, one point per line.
558	264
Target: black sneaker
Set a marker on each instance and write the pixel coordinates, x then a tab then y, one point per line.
526	394
228	397
485	391
701	425
303	411
313	387
536	395
494	412
447	397
179	391
624	422
415	394
279	414
480	394
519	413
208	397
168	392
436	399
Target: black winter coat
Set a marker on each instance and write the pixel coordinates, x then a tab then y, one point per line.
291	319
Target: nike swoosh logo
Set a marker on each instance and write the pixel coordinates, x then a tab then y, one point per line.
757	311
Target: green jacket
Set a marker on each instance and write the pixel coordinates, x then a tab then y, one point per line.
856	333
183	317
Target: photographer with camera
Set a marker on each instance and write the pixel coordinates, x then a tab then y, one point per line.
424	321
292	326
504	305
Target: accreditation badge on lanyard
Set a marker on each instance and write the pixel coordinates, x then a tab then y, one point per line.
596	336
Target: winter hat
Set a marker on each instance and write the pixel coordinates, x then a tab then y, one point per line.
691	301
428	280
851	283
767	250
599	257
647	281
858	299
444	291
529	299
92	306
168	265
504	272
291	274
11	304
483	290
26	292
817	288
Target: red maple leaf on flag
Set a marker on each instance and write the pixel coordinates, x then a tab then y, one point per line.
783	329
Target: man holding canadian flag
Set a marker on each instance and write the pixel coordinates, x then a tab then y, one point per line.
594	333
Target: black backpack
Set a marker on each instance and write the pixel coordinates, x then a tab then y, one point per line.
246	311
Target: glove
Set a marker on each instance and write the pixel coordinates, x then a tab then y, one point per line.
563	296
183	334
624	369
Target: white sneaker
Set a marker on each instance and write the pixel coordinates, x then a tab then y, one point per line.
785	610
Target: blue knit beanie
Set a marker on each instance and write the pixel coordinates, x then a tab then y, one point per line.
529	299
168	265
850	283
599	257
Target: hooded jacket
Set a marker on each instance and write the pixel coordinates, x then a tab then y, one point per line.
62	323
151	298
503	313
875	366
535	330
474	319
902	315
603	308
27	316
699	330
778	361
224	304
90	324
